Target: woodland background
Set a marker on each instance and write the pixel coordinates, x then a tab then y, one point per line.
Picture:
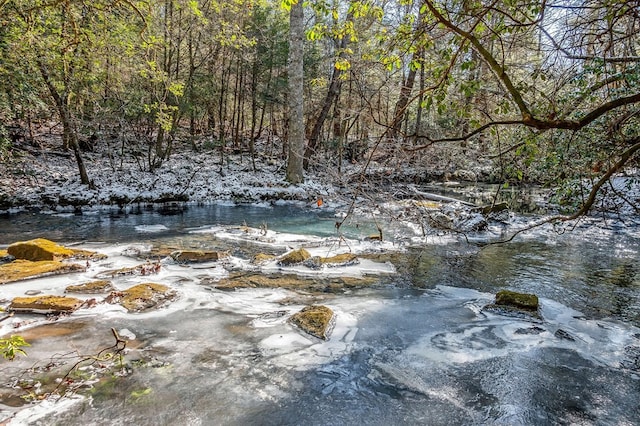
506	91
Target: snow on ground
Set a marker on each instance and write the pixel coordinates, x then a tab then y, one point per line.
52	181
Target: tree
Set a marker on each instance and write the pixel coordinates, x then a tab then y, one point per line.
60	42
296	140
579	98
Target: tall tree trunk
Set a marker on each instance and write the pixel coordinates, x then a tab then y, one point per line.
332	94
329	100
401	105
69	132
295	172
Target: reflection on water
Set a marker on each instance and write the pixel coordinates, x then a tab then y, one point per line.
415	349
120	226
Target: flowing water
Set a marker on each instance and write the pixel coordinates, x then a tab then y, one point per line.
417	347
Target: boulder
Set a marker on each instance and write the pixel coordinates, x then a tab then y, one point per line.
316	320
194	256
25	269
45	304
525	301
294	257
143	297
42	249
93	287
39	249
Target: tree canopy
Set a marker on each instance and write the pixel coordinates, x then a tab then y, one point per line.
544	91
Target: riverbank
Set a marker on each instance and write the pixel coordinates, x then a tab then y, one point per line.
49	180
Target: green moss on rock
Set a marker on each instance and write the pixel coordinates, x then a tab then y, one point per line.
316	320
143	297
293	282
24	269
45	304
524	301
39	249
262	258
43	249
93	287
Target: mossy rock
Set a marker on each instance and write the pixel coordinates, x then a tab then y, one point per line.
142	269
93	287
39	249
24	269
143	297
525	301
87	254
194	256
42	249
344	259
5	257
264	281
294	257
45	304
293	282
262	258
316	320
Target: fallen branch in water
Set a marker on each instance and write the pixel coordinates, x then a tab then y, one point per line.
6	317
435	197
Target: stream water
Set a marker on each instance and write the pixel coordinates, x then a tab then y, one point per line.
416	347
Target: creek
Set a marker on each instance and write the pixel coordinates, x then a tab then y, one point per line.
416	347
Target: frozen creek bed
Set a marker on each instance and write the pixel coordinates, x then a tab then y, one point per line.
413	346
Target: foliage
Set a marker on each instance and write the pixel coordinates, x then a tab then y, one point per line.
12	346
539	92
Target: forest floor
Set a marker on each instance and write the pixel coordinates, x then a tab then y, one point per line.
46	178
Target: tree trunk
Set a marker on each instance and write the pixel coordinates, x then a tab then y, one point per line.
295	172
401	105
332	94
69	132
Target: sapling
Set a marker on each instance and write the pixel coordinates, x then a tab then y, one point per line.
12	346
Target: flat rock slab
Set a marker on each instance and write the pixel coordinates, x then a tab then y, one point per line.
45	304
293	282
316	320
143	269
195	256
93	287
262	258
24	269
143	297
